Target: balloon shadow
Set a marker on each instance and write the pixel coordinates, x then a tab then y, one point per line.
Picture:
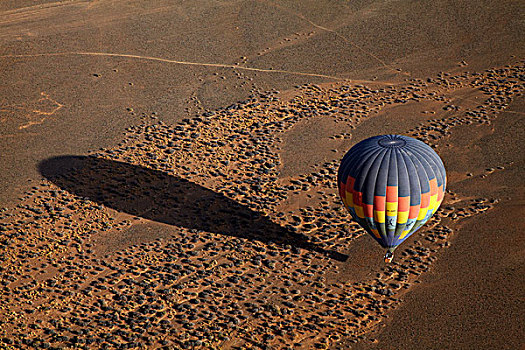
165	198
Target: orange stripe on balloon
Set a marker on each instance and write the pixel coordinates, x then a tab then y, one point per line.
403	204
433	186
414	211
368	210
349	191
379	203
391	193
358	198
425	200
350	184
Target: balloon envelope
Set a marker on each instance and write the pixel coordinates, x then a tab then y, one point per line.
391	185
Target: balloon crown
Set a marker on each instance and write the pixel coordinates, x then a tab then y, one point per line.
391	141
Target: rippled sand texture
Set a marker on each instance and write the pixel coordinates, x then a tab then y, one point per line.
216	232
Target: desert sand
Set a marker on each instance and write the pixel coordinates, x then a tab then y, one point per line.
168	174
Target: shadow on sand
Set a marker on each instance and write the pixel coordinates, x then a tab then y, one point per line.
161	197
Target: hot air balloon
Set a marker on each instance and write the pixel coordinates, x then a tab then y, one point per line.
391	185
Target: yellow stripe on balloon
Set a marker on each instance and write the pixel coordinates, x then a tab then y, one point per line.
402	217
391	208
349	199
403	234
422	213
359	211
436	206
433	201
379	216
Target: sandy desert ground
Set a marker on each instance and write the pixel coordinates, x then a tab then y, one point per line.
168	174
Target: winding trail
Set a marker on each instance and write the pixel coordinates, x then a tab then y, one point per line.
200	64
